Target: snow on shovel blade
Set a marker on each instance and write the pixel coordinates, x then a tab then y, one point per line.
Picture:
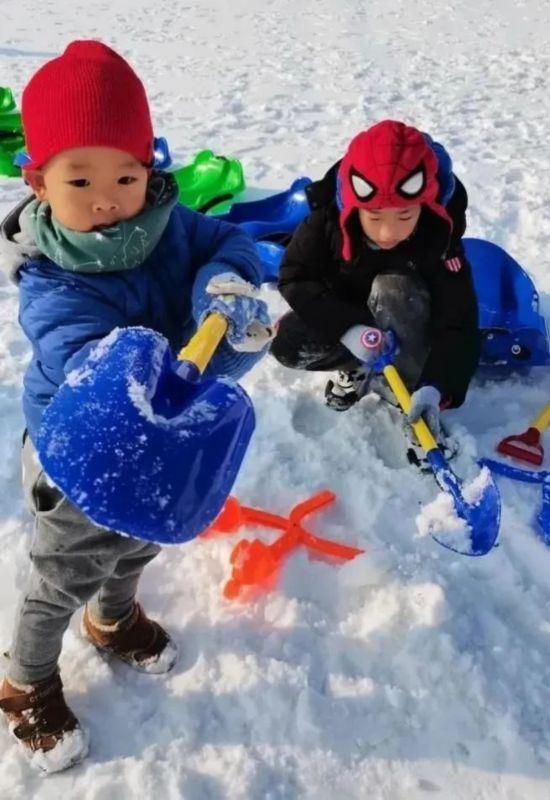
473	510
137	448
476	505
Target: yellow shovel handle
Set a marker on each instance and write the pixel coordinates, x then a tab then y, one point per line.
399	389
543	419
200	349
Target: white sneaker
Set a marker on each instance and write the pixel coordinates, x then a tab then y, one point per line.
345	390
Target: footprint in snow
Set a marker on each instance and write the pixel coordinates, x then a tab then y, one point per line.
311	418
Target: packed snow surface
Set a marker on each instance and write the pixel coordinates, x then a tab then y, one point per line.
411	672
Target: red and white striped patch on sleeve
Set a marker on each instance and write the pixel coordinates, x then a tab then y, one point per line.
453	264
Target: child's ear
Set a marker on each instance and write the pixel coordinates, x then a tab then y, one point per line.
35	179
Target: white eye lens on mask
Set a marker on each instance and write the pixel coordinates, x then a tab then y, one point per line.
413	185
362	188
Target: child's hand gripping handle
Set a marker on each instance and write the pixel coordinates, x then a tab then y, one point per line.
399	389
384	364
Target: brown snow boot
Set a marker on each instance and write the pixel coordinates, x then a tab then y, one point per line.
135	639
44	725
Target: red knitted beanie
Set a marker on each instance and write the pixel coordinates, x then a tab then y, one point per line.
87	97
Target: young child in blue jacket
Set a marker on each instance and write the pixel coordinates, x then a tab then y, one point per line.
102	243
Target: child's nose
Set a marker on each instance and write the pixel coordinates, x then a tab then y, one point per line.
102	204
388	232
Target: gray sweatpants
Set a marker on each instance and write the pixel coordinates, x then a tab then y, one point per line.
397	300
73	563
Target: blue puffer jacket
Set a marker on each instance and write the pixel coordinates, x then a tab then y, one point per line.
65	313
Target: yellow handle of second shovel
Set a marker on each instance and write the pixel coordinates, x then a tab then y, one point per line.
200	349
543	420
399	389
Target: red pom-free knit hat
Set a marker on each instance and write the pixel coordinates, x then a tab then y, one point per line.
87	97
390	165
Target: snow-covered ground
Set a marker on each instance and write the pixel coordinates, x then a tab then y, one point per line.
409	673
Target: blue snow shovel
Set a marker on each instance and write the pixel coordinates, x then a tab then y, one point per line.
141	448
482	513
541	477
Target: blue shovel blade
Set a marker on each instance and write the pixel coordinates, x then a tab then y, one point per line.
541	477
543	517
480	512
140	450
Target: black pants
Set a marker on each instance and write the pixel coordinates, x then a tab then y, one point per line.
400	301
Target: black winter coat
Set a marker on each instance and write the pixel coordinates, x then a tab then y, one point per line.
330	295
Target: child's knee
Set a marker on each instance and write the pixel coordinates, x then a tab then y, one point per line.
289	340
398	299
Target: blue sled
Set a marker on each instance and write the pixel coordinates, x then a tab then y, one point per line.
274	218
515	334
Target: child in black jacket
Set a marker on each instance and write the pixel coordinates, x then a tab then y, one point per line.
382	250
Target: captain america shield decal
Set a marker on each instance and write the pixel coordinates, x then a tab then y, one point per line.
371	339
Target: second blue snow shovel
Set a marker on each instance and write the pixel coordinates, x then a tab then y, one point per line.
541	477
478	505
140	443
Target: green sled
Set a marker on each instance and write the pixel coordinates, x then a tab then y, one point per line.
11	136
10	144
7	167
10	118
210	182
7	101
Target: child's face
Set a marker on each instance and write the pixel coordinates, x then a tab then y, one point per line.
91	187
387	227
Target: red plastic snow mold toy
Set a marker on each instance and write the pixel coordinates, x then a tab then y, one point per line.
256	565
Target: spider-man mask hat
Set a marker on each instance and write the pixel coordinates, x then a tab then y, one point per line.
390	165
